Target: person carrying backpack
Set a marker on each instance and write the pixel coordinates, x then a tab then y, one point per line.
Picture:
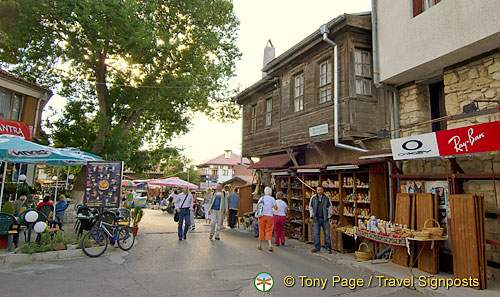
264	213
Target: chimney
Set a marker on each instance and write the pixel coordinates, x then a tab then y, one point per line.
227	154
269	53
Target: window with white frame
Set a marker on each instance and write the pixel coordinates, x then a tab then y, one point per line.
298	93
10	105
254	118
362	71
325	81
269	109
225	172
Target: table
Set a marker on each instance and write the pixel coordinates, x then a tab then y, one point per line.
431	240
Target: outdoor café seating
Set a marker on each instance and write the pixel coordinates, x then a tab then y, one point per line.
8	228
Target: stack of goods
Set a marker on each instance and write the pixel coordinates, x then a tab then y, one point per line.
361	184
363	213
349	198
334	195
363	198
349	211
347	182
330	184
382	231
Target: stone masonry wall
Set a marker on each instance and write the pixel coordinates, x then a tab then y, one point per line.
414	107
477	80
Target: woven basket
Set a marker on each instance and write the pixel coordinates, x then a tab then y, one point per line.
363	255
435	232
421	234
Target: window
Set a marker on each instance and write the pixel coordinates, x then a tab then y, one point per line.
325	80
420	6
214	172
254	118
269	109
10	105
362	70
438	108
225	172
298	94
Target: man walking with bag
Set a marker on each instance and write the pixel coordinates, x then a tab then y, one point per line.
217	209
183	204
320	210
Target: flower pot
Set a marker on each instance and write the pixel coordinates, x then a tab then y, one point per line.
135	230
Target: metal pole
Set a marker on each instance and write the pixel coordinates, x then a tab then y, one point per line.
55	195
3	181
67	179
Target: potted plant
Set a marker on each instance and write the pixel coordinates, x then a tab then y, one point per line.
136	216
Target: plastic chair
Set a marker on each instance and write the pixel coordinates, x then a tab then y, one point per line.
108	217
23	224
46	210
125	217
7	221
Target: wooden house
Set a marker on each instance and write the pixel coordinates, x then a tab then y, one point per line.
291	109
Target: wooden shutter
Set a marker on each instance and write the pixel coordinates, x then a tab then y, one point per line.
418	7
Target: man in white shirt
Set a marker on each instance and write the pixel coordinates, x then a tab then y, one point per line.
183	204
216	210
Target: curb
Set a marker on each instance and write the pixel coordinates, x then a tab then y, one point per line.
13	258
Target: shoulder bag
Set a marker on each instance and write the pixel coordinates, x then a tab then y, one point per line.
176	215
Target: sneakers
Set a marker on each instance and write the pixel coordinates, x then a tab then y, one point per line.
184	237
330	252
211	236
180	238
217	238
314	250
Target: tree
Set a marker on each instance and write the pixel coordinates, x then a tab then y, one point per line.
132	71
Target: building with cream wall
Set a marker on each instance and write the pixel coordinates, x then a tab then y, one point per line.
444	58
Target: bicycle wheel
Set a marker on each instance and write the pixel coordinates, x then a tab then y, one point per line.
125	238
94	243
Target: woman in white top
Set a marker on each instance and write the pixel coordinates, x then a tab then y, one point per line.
206	202
266	221
280	219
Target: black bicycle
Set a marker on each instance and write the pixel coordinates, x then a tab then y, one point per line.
95	242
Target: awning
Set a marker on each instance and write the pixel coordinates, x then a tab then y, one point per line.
272	162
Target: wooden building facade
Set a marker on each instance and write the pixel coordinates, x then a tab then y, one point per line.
292	107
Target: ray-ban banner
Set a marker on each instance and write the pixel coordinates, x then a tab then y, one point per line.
465	140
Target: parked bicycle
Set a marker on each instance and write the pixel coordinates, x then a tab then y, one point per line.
95	242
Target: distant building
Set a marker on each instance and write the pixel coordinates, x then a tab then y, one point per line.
21	106
223	168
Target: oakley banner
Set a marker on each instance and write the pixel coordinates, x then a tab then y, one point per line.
415	147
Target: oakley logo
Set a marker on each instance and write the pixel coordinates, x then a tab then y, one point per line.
412	145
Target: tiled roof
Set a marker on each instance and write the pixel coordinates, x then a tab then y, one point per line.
23	81
222	160
276	161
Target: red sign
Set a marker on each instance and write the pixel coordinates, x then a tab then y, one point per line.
15	128
469	140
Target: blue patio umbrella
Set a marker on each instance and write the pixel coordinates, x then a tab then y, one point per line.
18	150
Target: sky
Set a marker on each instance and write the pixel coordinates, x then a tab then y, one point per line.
285	22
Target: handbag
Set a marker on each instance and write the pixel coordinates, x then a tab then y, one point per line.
176	215
259	210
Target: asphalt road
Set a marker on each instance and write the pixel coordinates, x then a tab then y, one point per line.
160	265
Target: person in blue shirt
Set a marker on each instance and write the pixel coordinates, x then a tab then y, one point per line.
61	206
217	210
232	204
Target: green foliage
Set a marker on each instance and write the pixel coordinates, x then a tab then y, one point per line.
80	238
7	207
132	71
48	242
137	214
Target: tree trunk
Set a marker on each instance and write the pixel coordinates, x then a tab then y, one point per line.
103	120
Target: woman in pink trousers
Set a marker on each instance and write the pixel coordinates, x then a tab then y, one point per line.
280	219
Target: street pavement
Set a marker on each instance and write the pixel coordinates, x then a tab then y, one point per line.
161	265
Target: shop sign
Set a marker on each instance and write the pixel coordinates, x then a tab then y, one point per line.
318	130
465	140
17	129
469	140
415	147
